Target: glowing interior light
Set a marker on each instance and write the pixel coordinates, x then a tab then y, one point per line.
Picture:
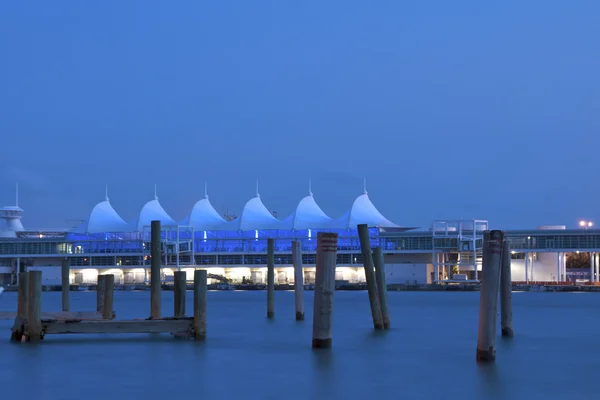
205	236
309	234
256	234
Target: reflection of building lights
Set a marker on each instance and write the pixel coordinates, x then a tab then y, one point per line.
513	252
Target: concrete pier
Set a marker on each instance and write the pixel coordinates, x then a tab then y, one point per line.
155	264
270	278
381	285
298	279
365	247
506	322
324	289
488	296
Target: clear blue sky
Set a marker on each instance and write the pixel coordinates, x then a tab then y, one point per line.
450	108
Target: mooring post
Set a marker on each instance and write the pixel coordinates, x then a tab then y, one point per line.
200	304
66	283
179	288
17	330
34	306
488	297
100	293
506	292
324	289
109	291
298	279
155	263
381	285
367	256
270	278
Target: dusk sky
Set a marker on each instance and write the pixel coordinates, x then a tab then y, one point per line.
450	109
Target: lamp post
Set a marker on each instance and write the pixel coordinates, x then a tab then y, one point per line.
585	224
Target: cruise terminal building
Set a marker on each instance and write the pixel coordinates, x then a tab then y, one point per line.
447	251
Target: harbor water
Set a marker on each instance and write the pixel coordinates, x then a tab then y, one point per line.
428	353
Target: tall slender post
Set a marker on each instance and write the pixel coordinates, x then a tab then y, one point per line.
179	287
65	283
381	285
100	293
324	289
155	263
200	304
109	290
298	279
506	292
270	278
34	306
365	247
488	297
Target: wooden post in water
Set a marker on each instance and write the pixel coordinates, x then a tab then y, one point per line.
381	285
324	289
488	297
367	256
200	304
17	331
298	279
109	291
34	306
65	283
179	288
506	292
270	278
100	293
155	263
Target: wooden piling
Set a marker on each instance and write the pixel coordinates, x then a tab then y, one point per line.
34	306
365	247
270	278
109	291
65	283
324	289
155	263
488	297
100	293
23	293
298	279
506	322
179	288
379	263
200	304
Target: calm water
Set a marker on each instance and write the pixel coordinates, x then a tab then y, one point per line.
429	353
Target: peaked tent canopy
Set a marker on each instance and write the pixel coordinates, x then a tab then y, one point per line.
255	216
204	217
308	215
152	211
362	212
103	218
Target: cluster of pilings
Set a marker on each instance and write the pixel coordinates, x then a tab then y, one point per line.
496	276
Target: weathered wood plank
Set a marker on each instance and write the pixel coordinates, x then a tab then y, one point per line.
126	326
61	316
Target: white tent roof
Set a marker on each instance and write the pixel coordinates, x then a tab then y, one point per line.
204	217
308	215
255	216
152	211
362	212
103	218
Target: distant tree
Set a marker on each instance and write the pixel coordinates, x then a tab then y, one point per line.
578	260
